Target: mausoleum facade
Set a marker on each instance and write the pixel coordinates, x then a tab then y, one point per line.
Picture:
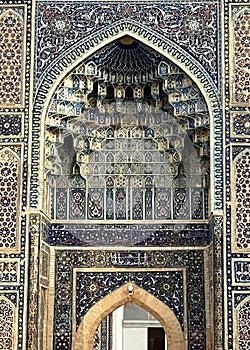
124	172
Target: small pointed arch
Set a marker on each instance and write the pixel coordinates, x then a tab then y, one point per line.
84	337
10	12
10	169
244	10
240	198
242	325
7	302
244	302
8	316
246	151
9	154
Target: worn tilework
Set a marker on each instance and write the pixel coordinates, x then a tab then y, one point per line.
236	172
128	235
15	19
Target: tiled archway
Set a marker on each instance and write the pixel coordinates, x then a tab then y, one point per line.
49	87
84	337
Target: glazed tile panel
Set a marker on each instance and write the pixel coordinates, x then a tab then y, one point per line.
128	235
167	285
15	43
193	26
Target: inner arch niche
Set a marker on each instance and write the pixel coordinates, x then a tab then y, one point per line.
127	165
127	139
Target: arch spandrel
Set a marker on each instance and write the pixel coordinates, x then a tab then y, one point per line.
84	337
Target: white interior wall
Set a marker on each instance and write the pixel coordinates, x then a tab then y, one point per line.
117	339
135	338
131	335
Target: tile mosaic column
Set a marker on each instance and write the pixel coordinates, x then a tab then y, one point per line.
218	286
15	43
34	231
237	131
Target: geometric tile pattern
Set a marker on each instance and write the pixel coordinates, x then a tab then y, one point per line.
242	200
7	321
241	56
9	201
11	58
10	125
241	124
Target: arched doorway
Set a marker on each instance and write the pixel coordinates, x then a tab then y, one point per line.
131	326
129	293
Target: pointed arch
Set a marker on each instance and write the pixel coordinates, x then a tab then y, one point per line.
78	52
11	12
242	324
7	150
85	48
8	317
84	337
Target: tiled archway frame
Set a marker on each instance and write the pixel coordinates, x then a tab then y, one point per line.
133	294
73	56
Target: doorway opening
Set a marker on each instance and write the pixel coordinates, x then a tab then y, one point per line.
128	294
156	339
131	326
